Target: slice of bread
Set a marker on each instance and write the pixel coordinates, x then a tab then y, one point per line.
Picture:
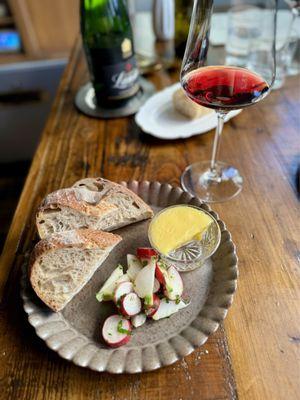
60	266
185	106
90	203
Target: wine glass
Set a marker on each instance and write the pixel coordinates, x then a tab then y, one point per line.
209	82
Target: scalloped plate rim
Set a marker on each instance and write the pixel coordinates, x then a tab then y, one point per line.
31	308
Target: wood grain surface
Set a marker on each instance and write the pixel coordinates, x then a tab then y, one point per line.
256	354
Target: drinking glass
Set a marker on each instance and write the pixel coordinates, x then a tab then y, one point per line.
293	62
208	81
244	27
260	46
294	44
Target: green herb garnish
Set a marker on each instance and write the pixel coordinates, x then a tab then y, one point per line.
177	301
162	264
148	300
120	328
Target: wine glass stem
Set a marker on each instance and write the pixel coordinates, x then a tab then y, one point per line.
217	140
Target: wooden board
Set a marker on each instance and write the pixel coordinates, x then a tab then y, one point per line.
260	360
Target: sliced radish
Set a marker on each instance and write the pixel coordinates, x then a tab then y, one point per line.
167	308
122	289
130	305
107	291
144	282
116	331
134	266
150	311
124	278
156	286
138	320
174	284
161	273
145	253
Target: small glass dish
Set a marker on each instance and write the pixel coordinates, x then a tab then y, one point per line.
192	254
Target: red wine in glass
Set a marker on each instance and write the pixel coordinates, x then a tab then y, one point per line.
224	87
209	82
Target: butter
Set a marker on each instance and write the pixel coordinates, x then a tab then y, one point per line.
176	226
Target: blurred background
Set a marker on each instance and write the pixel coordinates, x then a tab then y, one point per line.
36	37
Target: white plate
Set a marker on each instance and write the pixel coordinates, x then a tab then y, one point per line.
158	118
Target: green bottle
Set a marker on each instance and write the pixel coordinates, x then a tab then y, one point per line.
108	44
183	12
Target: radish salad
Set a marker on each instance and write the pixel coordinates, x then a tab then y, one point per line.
148	289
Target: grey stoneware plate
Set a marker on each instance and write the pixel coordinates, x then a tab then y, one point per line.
75	333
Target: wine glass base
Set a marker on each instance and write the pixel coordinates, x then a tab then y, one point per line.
198	180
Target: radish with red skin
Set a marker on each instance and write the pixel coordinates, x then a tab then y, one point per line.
122	289
144	282
161	273
138	320
156	286
174	284
145	253
150	311
130	305
134	293
116	330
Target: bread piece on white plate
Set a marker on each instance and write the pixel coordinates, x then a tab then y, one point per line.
61	265
90	203
187	107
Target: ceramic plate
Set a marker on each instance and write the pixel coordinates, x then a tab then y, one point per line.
159	118
75	334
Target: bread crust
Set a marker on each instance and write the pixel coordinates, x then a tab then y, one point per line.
78	238
79	199
90	196
101	184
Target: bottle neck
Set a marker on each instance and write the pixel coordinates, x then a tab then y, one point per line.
100	18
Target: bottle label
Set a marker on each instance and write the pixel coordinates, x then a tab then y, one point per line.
114	81
121	79
114	71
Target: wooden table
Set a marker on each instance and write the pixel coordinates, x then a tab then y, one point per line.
255	355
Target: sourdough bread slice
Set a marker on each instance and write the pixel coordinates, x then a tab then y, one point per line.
90	203
61	265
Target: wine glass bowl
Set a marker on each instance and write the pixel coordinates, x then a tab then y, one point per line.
224	87
209	82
